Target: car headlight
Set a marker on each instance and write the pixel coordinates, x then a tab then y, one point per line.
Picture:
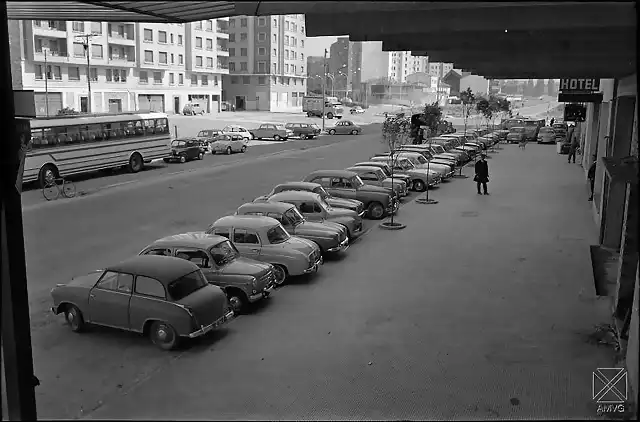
254	282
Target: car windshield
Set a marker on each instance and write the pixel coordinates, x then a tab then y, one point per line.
204	133
325	205
357	182
315	126
279	127
294	216
405	164
186	285
420	159
517	129
178	144
438	149
223	253
288	125
277	234
323	193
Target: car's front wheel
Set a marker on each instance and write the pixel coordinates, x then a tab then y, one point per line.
354	132
74	318
281	274
276	138
163	335
237	300
228	151
183	158
375	210
200	155
332	132
419	186
243	149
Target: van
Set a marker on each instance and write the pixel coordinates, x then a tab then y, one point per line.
191	109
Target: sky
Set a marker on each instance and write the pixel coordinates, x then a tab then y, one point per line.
315	46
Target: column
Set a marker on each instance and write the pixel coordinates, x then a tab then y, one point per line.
17	359
592	125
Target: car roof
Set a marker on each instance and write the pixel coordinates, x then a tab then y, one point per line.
332	173
246	221
370	163
186	139
274	206
293	195
308	185
190	240
517	127
367	168
165	269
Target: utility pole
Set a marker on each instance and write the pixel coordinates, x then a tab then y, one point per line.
46	82
324	81
86	43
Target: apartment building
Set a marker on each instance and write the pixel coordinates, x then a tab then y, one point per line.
439	69
403	64
267	64
315	70
117	66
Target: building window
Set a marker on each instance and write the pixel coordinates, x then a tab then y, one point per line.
262	51
162	37
262	36
286	68
210	62
123	75
243	22
275	38
198	61
243	52
74	74
246	80
232	52
302	29
301	56
172	58
199	25
302	43
262	80
148	56
144	77
243	66
294	41
94	73
209	25
302	69
275	68
294	27
96	51
209	44
172	80
215	80
162	57
275	52
171	38
96	27
232	23
179	39
262	67
234	80
78	49
232	37
109	75
194	80
262	21
286	25
157	78
180	79
286	40
243	36
148	35
78	26
180	59
275	22
286	54
232	66
205	80
198	42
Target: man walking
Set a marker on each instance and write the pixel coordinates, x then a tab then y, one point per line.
591	175
573	148
552	121
482	175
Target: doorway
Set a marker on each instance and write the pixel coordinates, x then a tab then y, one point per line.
115	105
240	103
176	105
84	104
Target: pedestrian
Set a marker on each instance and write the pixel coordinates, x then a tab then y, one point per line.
551	122
482	174
591	175
573	147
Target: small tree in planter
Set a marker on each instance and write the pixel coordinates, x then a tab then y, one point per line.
396	131
433	119
468	101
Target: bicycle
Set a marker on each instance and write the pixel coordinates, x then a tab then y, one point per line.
54	187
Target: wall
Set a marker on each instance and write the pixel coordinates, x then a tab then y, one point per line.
16	52
632	346
476	83
375	62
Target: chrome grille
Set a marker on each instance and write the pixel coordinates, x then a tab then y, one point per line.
343	235
359	208
268	278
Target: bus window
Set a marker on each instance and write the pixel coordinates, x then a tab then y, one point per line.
73	134
85	136
36	136
162	126
95	133
150	126
139	128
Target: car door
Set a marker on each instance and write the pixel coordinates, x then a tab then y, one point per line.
342	188
347	127
193	149
311	210
247	242
109	300
148	301
244	133
370	178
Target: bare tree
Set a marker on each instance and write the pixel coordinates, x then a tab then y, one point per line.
396	131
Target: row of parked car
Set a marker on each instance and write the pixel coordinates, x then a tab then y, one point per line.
185	285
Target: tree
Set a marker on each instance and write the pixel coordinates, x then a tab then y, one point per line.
468	101
539	89
483	106
551	88
432	118
396	131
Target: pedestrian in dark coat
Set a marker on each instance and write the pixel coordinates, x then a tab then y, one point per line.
591	175
573	147
482	174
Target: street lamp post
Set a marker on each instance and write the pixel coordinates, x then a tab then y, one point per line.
333	82
324	81
46	82
86	43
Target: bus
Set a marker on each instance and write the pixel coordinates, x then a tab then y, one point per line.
69	145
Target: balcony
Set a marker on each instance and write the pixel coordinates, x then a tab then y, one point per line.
122	60
53	56
55	29
121	39
222	27
222	50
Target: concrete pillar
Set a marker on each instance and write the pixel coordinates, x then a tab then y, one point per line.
605	111
628	261
592	126
632	347
623	126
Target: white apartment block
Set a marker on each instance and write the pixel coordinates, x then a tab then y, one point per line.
126	66
403	64
267	63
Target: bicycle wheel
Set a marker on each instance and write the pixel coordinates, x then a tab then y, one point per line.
68	189
51	190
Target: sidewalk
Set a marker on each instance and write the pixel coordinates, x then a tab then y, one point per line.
481	308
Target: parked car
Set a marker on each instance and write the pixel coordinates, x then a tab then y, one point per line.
275	131
330	237
444	171
228	144
191	109
314	208
356	110
375	176
546	135
387	171
185	149
237	130
164	298
226	106
516	135
345	127
243	280
428	152
420	178
264	239
379	202
304	130
332	201
208	135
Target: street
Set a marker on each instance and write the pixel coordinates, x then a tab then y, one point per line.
485	317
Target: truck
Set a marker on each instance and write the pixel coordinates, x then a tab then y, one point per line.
313	107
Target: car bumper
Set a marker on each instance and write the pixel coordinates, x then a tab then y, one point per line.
205	329
262	295
343	246
314	266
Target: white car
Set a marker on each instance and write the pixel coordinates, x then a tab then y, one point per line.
237	130
357	110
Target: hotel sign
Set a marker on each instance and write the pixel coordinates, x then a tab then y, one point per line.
579	85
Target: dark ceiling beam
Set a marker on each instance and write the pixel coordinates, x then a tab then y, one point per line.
526	56
525	17
550	70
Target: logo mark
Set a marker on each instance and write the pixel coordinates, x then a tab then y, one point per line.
609	385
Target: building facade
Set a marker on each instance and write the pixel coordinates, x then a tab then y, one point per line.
439	69
267	64
118	66
315	70
403	64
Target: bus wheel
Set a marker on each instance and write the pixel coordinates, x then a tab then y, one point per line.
48	172
135	163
